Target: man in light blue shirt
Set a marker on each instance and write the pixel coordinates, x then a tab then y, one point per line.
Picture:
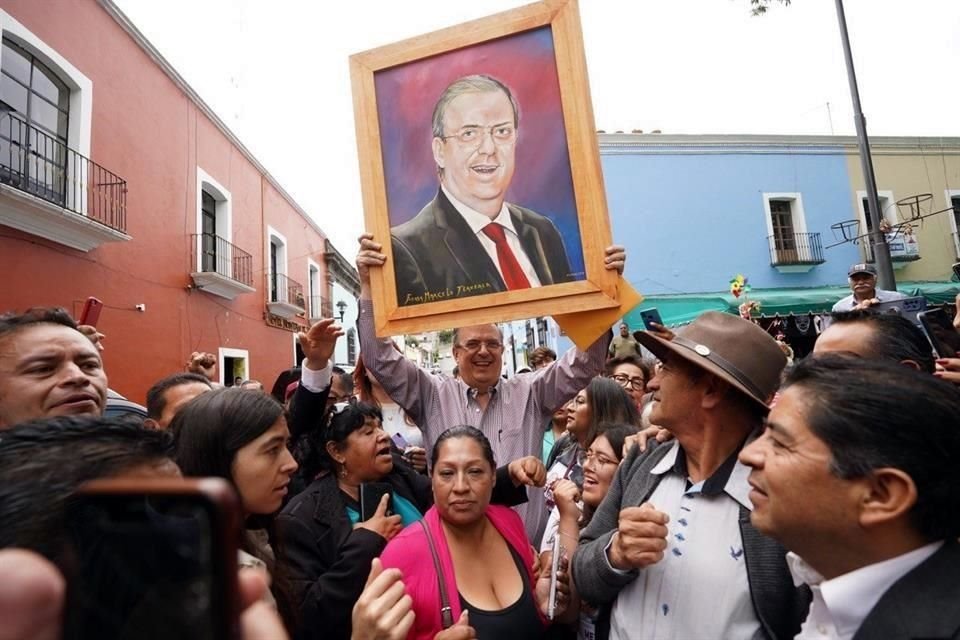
863	282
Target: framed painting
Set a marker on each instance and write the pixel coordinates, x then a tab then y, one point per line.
481	173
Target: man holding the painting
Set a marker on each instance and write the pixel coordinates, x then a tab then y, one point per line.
468	240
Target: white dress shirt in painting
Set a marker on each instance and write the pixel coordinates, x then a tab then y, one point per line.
478	221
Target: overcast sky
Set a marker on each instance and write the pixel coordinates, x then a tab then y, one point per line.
276	72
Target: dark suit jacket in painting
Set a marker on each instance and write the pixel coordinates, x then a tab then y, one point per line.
925	603
438	257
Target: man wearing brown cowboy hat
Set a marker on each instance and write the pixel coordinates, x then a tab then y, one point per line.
671	550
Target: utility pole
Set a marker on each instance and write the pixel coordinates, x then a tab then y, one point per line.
878	241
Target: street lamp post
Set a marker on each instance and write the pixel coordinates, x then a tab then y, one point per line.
342	308
878	240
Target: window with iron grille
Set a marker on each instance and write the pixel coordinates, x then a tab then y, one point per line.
33	131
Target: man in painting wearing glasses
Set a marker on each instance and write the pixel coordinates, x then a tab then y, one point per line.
468	240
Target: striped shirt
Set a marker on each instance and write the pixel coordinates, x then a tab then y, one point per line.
518	408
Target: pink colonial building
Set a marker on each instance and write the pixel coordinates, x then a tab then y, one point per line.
117	181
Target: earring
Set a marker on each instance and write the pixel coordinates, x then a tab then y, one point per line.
343	471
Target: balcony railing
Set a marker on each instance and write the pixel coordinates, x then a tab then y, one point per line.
39	164
319	307
795	249
216	255
284	290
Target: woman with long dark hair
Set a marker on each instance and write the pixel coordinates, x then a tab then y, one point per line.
242	437
602	400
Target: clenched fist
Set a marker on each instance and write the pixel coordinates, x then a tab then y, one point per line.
640	539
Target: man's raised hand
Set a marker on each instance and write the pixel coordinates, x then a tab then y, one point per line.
616	258
369	255
318	342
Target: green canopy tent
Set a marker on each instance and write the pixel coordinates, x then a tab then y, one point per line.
680	309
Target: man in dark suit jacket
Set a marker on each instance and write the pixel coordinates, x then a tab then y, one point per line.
437	256
468	240
855	475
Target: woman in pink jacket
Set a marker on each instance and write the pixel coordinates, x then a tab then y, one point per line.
480	552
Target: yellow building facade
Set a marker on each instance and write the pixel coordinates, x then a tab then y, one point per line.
908	169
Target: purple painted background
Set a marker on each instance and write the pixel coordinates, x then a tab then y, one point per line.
525	62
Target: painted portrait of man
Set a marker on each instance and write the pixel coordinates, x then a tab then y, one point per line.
469	240
479	190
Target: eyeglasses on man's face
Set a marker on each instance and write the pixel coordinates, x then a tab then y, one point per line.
475	345
504	133
625	381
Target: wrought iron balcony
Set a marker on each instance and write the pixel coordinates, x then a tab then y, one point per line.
798	249
223	269
284	296
35	163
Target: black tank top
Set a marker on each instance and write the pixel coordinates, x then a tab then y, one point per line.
519	621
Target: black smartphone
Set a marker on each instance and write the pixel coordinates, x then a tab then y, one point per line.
370	495
649	316
153	558
939	329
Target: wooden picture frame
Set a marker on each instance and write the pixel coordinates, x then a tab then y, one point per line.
396	88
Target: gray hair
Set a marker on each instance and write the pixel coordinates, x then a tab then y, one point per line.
470	84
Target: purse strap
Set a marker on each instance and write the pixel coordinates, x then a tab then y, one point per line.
446	613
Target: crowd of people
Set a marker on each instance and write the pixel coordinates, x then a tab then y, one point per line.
710	491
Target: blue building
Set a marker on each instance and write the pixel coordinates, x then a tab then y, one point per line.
694	211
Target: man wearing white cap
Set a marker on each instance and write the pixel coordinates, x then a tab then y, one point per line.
863	282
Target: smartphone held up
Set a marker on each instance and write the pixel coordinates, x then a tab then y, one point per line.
153	558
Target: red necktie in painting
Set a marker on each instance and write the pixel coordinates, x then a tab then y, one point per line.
513	275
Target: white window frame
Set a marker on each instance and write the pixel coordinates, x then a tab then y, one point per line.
949	194
273	234
311	267
224	213
81	87
233	353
